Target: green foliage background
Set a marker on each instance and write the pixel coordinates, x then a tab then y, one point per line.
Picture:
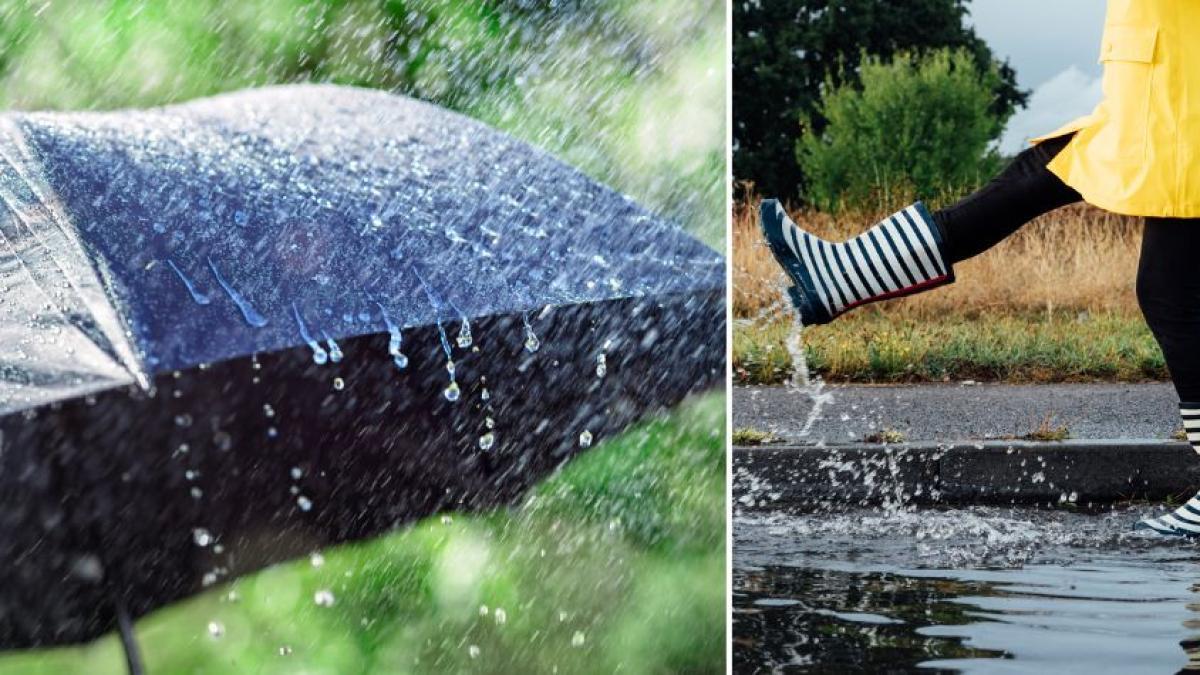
914	125
785	51
630	92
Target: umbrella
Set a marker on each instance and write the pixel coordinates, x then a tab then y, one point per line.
244	327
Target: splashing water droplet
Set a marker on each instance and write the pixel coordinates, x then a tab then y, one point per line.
585	439
578	639
601	365
452	392
501	616
487	440
304	503
485	394
215	629
250	314
197	297
316	559
324	598
532	344
339	384
473	651
320	356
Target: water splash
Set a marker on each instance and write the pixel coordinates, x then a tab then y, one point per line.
197	296
395	338
250	314
601	365
319	354
801	381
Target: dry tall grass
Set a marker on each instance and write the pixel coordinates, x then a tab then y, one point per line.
1077	258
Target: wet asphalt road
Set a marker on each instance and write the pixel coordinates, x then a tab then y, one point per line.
950	412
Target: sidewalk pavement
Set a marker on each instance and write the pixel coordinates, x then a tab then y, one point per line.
959	446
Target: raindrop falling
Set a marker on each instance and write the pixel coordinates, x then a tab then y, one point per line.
585	439
473	651
464	339
215	629
198	297
501	616
316	559
319	354
324	598
452	392
532	344
601	365
296	473
285	650
578	639
487	440
339	384
250	314
304	503
202	537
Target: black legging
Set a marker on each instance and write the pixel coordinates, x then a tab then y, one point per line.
1168	282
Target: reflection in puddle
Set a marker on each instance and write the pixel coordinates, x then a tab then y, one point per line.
1073	593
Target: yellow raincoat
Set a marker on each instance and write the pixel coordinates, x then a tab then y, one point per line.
1138	153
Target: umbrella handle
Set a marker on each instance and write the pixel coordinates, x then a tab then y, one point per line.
133	656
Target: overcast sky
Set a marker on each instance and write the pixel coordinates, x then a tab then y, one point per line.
1053	44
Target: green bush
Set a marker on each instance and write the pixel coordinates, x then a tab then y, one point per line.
923	125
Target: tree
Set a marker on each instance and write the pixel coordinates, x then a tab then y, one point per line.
785	51
913	125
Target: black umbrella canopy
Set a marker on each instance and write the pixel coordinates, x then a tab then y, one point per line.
249	326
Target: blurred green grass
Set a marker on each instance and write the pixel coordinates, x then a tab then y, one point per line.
614	564
632	93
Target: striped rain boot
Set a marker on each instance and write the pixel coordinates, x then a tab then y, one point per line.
1185	520
899	256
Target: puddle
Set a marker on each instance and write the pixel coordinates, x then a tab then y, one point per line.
978	590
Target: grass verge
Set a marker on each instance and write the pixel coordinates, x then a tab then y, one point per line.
872	345
616	563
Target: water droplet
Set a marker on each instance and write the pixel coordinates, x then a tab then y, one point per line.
452	392
316	559
501	616
532	344
486	441
197	297
268	410
296	473
483	610
395	338
464	334
601	365
184	420
285	650
304	503
485	394
585	439
489	422
401	361
577	639
201	536
335	352
250	314
197	493
319	354
215	629
190	474
473	651
339	384
323	598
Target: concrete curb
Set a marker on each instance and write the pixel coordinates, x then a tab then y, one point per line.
1085	472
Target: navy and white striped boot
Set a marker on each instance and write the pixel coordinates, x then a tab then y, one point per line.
1185	520
901	255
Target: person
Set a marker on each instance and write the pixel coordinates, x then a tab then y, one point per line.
1137	153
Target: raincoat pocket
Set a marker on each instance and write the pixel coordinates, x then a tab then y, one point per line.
1127	53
